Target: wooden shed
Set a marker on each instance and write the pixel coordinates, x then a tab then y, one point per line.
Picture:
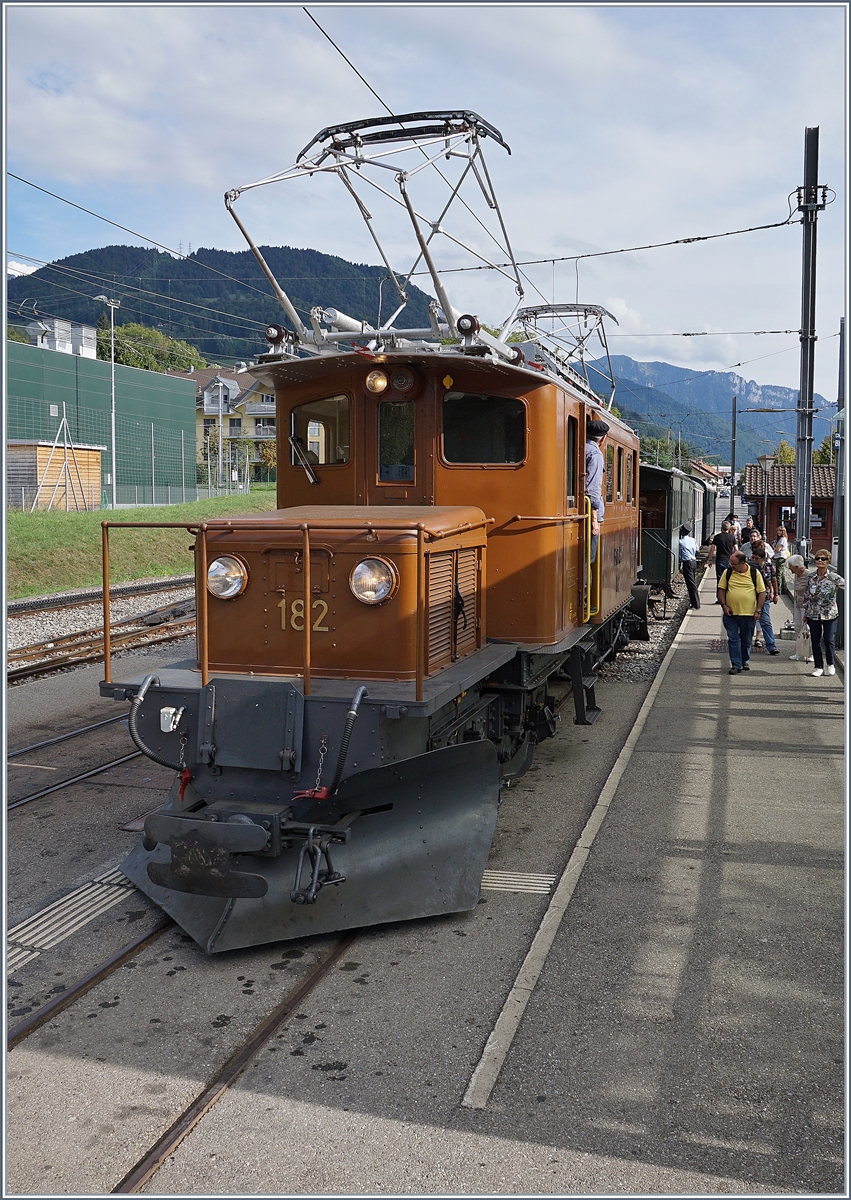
55	476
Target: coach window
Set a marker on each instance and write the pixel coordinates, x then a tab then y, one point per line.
322	429
610	473
620	472
483	429
571	462
396	441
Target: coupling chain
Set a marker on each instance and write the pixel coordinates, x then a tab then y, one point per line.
323	750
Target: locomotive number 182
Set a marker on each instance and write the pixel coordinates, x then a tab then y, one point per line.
296	615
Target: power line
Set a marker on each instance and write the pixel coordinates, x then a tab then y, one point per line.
535	262
141	236
171	300
461	199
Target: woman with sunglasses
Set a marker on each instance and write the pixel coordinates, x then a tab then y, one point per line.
822	611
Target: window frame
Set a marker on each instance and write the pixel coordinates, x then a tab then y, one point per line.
610	473
572	474
479	466
336	466
395	401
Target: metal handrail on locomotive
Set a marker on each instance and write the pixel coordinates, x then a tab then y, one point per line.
381	654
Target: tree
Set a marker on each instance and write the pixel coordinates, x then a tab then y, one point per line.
784	455
824	454
267	452
14	333
139	346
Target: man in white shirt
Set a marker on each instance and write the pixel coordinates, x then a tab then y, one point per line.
688	564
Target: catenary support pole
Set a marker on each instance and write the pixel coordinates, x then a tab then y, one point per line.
733	460
839	531
809	206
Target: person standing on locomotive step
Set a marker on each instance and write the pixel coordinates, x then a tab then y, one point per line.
688	564
595	470
741	592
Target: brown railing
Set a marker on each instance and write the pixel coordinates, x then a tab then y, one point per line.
303	527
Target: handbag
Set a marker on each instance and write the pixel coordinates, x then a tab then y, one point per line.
803	649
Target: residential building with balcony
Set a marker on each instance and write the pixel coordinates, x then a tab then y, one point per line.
233	403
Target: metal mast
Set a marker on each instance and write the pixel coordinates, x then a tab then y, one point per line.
809	206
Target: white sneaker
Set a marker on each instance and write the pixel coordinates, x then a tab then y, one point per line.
794	658
830	671
818	671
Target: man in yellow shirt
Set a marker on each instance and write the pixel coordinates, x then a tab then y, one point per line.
741	594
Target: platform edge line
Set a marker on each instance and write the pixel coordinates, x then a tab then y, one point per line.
484	1077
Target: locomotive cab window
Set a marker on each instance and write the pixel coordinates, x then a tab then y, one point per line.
396	441
610	473
630	478
571	462
483	429
322	429
620	472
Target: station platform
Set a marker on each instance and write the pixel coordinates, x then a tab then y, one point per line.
693	991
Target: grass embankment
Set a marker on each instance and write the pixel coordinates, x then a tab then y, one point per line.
57	551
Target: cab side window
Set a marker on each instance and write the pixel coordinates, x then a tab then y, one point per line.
620	473
322	429
610	473
483	429
571	462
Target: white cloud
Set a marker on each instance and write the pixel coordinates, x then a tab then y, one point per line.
628	124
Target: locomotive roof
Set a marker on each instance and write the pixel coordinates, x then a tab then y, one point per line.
278	371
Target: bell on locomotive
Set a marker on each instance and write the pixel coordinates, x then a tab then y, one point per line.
377	657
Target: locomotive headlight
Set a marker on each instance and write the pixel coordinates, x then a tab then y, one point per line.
374	580
377	381
227	577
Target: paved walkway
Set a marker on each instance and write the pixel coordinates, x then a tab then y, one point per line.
693	998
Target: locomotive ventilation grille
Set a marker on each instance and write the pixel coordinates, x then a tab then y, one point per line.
452	606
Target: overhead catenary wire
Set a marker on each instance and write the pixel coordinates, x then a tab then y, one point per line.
141	236
245	322
410	275
170	301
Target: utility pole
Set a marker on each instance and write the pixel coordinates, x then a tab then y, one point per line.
839	487
112	304
221	431
733	461
809	206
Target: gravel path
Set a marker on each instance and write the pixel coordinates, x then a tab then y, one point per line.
640	661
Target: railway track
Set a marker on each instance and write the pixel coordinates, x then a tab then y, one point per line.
225	1076
42	604
167	623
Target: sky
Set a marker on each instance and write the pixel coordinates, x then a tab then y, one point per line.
628	125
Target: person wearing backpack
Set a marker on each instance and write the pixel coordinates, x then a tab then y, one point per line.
741	594
766	569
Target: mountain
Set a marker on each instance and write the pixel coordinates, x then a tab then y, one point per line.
699	404
218	300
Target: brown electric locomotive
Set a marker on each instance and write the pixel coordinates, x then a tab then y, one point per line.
378	656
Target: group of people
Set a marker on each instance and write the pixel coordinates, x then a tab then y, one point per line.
749	578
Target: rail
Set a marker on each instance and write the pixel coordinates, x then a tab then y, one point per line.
200	531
